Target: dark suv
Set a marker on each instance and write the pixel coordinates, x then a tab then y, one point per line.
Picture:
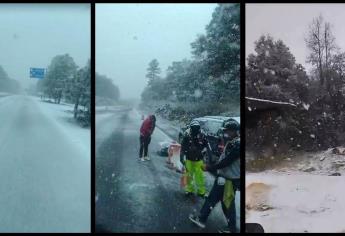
212	127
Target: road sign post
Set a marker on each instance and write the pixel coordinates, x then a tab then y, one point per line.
37	73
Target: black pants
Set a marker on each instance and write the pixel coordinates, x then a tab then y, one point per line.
215	196
144	146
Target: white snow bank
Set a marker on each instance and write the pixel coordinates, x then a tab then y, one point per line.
296	202
3	94
101	117
62	116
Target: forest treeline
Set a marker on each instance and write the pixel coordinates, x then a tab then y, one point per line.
107	93
207	84
318	119
65	80
8	84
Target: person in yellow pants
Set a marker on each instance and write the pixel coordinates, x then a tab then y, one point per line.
192	145
195	175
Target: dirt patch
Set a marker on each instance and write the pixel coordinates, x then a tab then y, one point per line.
257	197
339	150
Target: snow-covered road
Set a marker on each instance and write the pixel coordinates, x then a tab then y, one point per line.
132	196
44	168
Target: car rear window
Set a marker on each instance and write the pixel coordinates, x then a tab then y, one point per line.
212	127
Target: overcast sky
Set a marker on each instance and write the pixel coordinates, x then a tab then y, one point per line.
129	36
289	22
32	34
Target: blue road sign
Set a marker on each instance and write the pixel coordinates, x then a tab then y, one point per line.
37	73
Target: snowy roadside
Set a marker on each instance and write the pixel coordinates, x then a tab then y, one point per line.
106	109
317	163
3	94
295	202
322	163
62	116
105	112
307	186
103	128
102	116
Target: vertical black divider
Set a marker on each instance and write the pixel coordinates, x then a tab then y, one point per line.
93	113
242	114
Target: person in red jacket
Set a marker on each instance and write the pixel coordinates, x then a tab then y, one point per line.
146	131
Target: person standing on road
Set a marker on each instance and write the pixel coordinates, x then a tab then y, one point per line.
227	180
146	130
192	145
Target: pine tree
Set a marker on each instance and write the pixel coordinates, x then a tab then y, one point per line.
153	71
61	70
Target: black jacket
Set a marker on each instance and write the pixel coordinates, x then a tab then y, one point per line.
192	147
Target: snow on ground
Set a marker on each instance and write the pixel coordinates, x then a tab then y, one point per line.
111	108
62	116
295	202
102	127
3	94
297	193
100	117
317	163
321	163
44	168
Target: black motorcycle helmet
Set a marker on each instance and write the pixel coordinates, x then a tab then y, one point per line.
231	125
230	130
195	128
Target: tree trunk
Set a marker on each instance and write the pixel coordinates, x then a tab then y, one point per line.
76	104
326	58
320	65
320	49
59	96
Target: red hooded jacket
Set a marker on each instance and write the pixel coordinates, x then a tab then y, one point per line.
147	127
